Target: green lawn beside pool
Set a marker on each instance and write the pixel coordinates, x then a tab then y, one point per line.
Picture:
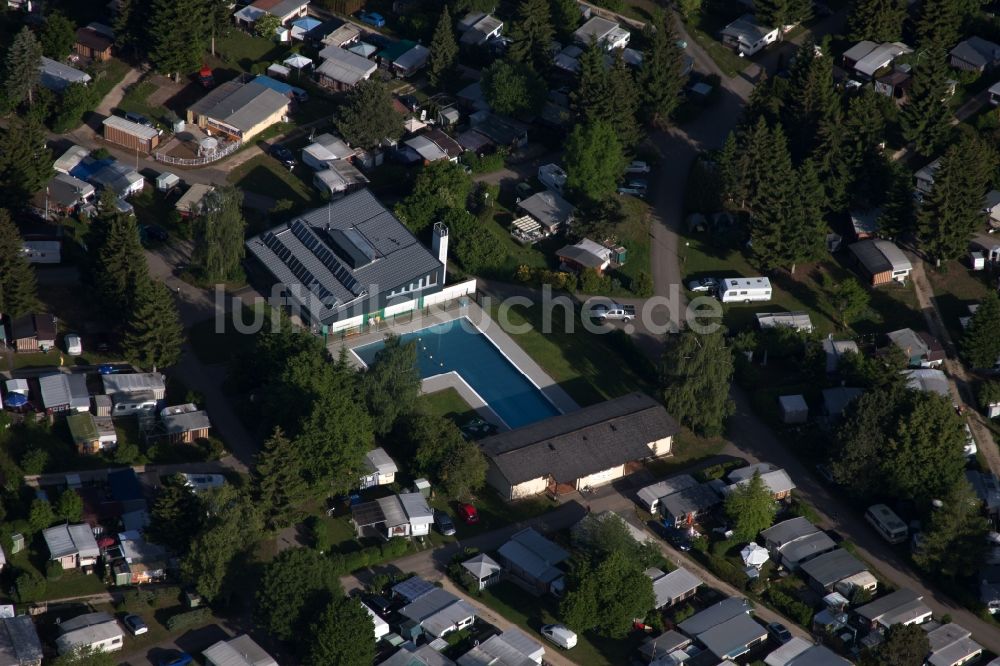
448	403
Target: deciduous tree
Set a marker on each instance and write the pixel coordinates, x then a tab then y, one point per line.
441	453
154	333
392	383
605	595
70	506
474	248
85	656
266	26
954	542
279	484
904	645
532	35
341	635
594	161
751	509
296	586
21	71
58	36
695	375
444	49
17	278
221	233
980	341
849	298
513	88
367	117
439	187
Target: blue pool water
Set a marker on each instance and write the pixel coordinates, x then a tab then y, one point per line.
460	347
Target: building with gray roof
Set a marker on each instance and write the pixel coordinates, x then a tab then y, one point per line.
72	545
950	644
975	54
881	260
826	570
836	400
439	612
649	496
800	652
787	531
689	504
715	615
239	110
510	648
549	209
734	637
95	631
900	607
747	36
803	549
606	33
57	76
674	587
342	70
349	258
411	655
63	392
19	643
483	569
584	448
776	480
478	28
239	651
404	515
412	588
534	560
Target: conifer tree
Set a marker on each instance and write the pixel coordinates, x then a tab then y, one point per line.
17	279
25	162
833	162
952	212
222	227
695	374
532	35
877	20
731	173
444	49
591	94
565	16
121	264
954	541
131	25
22	68
177	33
864	131
926	118
779	13
608	95
815	100
278	483
980	342
897	216
154	333
661	79
939	25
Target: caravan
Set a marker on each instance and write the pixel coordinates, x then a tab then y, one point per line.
735	290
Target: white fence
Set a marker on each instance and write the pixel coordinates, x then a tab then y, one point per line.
449	293
199	161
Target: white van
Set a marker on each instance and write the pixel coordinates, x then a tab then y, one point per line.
745	290
560	635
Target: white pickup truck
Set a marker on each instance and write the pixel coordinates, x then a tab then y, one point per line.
604	311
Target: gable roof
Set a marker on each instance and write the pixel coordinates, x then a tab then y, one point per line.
715	615
61	389
240	651
832	567
887	604
747	29
344	66
241	105
667	587
654	492
976	51
92	39
583	442
788	531
63	540
730	638
534	554
950	644
807	546
548	208
690	500
19	643
878	256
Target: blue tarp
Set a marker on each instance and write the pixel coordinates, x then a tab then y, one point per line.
16	400
306	24
279	86
86	169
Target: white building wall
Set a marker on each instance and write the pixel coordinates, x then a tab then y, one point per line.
528	488
661	447
600	478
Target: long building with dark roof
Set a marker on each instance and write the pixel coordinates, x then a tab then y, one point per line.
349	258
589	447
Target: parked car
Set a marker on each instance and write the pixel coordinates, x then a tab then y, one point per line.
134	624
677	537
706	284
74	346
560	635
633	191
637	183
468	514
283	155
410	102
138	118
604	311
372	18
445	525
826	473
377	603
637	166
114	368
779	632
183	659
681	44
155	232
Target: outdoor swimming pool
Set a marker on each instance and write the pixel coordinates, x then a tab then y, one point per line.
458	346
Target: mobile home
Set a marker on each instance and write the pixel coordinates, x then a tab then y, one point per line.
735	290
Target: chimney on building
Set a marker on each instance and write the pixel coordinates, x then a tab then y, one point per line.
440	246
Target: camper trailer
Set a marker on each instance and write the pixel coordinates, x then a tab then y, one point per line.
745	290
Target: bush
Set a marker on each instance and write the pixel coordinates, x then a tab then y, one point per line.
394	548
786	605
29	586
188	619
34	461
683	613
101	154
642	285
53	570
486	163
728	572
318	530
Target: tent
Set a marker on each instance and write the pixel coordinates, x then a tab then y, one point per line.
754	555
302	26
16	400
298	61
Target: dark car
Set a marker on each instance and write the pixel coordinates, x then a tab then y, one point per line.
779	632
677	537
377	603
372	18
283	155
138	118
183	659
156	232
445	525
410	102
135	624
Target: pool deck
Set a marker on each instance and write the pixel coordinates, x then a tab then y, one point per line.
504	342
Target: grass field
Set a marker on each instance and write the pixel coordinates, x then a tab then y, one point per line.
585	365
955	288
448	403
136	100
688	450
704	29
264	175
